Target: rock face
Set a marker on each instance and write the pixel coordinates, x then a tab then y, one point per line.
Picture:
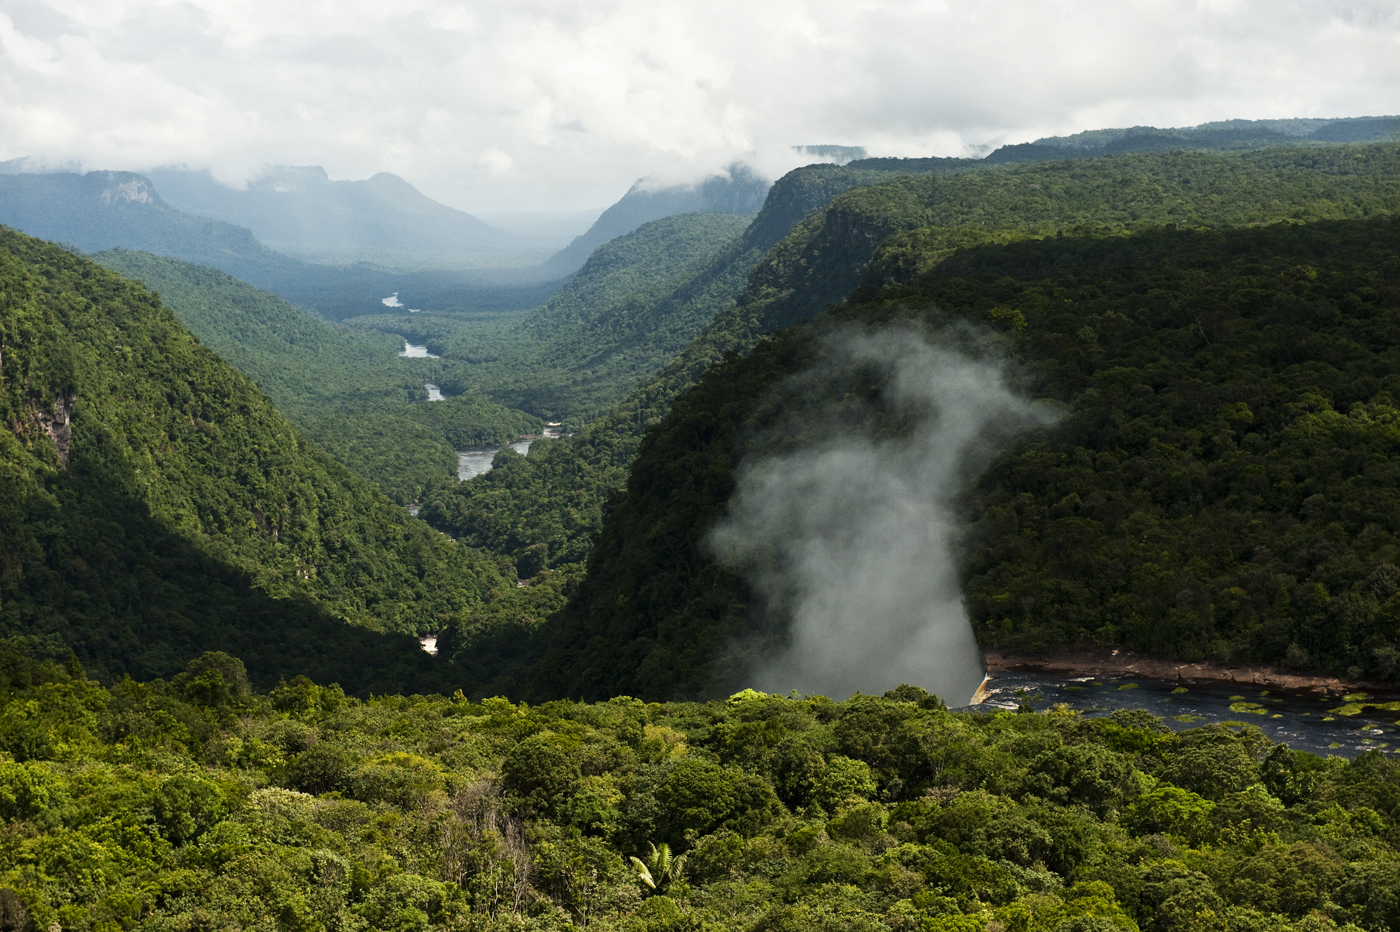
131	188
56	424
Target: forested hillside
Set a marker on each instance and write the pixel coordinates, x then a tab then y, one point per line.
347	390
554	501
199	803
550	503
1220	486
587	346
156	505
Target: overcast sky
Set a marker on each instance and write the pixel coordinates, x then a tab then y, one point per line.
495	105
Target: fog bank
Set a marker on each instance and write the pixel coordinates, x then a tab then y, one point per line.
852	535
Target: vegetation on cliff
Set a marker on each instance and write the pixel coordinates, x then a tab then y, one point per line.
1220	486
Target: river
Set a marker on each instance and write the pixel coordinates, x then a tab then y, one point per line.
475	462
417	352
1343	725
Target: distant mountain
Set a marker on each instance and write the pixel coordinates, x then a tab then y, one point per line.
1225	135
106	209
300	210
122	210
740	191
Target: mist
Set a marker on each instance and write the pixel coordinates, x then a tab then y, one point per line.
853	536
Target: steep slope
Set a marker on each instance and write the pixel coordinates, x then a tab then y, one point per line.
550	503
739	191
608	326
299	210
926	216
1221	485
157	505
347	390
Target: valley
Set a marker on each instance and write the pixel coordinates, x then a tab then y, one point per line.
713	517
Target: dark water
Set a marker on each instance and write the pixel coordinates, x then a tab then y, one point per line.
1342	725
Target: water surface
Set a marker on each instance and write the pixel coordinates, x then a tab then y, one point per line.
417	352
475	462
1344	725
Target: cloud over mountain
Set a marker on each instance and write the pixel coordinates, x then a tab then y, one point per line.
498	104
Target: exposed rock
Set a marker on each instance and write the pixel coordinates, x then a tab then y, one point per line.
56	423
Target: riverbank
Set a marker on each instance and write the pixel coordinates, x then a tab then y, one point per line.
1120	662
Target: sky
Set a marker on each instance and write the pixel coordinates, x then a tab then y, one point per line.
535	105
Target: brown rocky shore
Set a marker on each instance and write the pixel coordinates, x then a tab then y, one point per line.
1120	662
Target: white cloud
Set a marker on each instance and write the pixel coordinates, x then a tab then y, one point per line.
523	104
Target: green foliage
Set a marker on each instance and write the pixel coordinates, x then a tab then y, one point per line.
660	871
426	813
346	390
554	498
1218	486
155	505
784	271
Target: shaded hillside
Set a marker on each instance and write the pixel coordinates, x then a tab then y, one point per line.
157	505
300	210
347	390
1221	485
827	254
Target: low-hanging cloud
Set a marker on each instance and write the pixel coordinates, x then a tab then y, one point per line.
520	104
851	537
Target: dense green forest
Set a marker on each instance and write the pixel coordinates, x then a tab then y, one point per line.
199	803
553	502
588	345
346	390
546	507
1221	485
155	504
